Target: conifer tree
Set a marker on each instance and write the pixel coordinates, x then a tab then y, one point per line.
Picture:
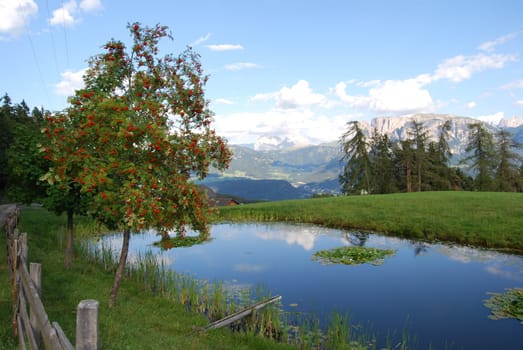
356	173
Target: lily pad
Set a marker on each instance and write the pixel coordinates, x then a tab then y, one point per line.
176	242
353	255
506	305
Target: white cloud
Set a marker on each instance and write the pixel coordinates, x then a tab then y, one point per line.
368	84
471	105
489	46
519	103
14	15
65	15
305	125
391	96
68	14
225	47
460	68
298	95
201	39
400	96
223	101
352	101
91	5
241	65
492	118
71	81
411	95
517	84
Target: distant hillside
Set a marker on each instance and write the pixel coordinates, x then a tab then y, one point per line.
315	168
298	166
257	190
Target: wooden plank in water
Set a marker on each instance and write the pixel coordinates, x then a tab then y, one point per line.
241	314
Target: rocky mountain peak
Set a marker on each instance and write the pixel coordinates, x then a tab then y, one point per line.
273	143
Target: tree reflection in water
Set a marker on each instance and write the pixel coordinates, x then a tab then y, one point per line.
357	238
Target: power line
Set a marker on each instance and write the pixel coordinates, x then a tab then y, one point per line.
65	40
35	57
52	41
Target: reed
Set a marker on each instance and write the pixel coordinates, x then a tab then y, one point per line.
217	300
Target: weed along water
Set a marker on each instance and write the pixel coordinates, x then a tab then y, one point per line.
426	295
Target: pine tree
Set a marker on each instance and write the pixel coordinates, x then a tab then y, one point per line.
356	174
403	164
382	164
482	158
419	141
507	175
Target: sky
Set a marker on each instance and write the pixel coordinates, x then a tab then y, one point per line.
288	68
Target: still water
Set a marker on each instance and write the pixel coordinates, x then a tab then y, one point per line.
434	292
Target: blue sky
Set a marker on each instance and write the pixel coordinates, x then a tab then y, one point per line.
300	69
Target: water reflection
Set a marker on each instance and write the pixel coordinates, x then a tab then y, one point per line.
440	288
357	238
420	248
304	239
502	271
249	268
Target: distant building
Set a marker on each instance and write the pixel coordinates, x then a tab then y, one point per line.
223	202
217	200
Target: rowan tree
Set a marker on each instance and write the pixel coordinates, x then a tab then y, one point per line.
134	137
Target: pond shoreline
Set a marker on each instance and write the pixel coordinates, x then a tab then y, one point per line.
460	276
489	220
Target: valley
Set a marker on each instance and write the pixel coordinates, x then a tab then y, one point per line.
278	171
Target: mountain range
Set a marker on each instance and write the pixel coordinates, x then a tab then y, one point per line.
276	168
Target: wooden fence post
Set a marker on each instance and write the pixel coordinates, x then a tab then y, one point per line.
15	284
35	271
87	337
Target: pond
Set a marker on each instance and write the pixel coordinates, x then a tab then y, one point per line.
434	292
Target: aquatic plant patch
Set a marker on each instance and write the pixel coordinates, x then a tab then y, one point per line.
506	305
353	255
186	241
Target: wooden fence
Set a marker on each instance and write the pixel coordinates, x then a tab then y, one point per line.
30	322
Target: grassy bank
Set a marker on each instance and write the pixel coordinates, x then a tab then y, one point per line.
139	321
485	219
144	321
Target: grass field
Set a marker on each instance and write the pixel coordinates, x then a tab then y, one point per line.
484	219
139	321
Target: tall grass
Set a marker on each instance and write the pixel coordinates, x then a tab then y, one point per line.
140	320
216	300
150	301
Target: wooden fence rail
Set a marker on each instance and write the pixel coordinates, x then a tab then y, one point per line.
30	321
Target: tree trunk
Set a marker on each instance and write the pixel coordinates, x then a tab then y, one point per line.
120	269
165	235
409	178
68	259
419	178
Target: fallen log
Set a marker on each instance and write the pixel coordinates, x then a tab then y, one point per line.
240	314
